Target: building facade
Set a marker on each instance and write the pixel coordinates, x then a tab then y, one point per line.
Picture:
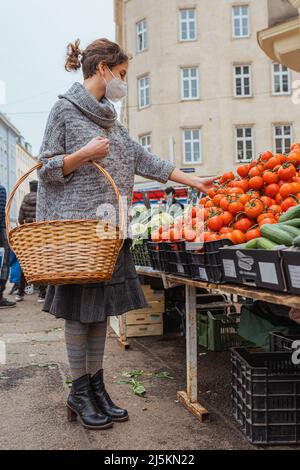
24	162
201	91
8	169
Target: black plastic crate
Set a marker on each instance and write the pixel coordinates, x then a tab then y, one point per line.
215	273
174	246
266	396
216	245
180	269
198	273
156	255
197	258
284	342
140	254
176	257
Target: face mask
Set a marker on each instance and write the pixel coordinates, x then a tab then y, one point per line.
116	89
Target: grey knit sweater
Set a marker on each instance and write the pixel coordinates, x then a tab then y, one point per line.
74	120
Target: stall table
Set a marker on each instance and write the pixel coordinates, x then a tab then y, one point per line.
189	398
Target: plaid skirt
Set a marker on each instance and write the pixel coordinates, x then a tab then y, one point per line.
92	303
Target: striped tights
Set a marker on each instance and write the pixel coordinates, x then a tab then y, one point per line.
85	343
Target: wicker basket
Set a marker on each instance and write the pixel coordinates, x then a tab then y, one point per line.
67	251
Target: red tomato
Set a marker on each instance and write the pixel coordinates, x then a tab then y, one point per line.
237	237
215	223
267	201
256	182
226	217
226	230
235	207
227	177
268	220
254	208
270	177
255	171
253	233
287	171
243	224
288	203
272	190
266	156
243	170
243	184
287	189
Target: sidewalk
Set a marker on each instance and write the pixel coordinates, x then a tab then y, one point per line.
33	392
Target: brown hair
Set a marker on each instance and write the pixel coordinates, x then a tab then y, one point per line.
101	50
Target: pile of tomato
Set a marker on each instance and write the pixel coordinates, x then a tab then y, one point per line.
237	206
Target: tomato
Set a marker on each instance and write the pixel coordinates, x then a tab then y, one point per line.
274	161
215	223
174	235
209	204
211	192
287	189
294	157
235	207
275	209
256	182
237	237
213	237
268	220
203	201
206	235
243	184
279	198
236	191
296	185
267	201
253	233
254	208
224	203
226	217
272	190
255	171
287	203
270	177
254	194
281	157
266	155
155	236
264	215
243	224
226	230
287	171
227	177
243	170
165	236
217	199
189	235
244	198
295	146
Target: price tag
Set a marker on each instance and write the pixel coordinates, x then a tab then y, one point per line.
229	268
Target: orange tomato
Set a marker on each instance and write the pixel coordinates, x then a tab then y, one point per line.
268	220
243	170
235	207
272	190
266	156
287	171
256	182
270	177
288	203
227	218
267	201
237	237
244	198
215	223
254	208
252	234
243	224
287	189
243	184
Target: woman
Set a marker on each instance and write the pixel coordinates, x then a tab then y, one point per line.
83	127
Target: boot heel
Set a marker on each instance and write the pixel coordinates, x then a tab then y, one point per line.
72	416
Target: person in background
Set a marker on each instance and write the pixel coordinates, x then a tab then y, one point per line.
170	200
27	214
4	303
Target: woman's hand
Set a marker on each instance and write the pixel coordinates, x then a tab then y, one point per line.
202	184
97	148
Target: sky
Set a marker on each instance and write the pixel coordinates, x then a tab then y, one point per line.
33	39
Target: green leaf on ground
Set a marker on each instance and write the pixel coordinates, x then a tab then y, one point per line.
133	373
137	387
163	375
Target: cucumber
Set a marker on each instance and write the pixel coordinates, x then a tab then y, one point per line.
293	231
297	241
265	244
293	213
252	244
277	235
293	223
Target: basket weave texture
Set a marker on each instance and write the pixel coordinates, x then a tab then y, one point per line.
67	251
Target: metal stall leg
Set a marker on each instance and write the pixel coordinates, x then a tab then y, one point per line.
190	398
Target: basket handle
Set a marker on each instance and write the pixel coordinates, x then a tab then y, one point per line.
39	165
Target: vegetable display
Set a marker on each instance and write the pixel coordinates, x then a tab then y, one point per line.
265	193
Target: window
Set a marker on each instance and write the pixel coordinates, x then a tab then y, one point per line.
144	92
243	82
189	84
145	141
187	27
281	80
240	21
244	144
283	136
192	146
142	36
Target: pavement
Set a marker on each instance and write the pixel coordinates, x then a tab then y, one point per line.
34	388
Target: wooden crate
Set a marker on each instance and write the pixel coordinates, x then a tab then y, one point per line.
133	318
144	330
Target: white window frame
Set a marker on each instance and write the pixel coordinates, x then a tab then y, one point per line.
190	79
142	92
142	31
148	144
244	139
241	17
282	137
242	76
281	74
192	141
187	20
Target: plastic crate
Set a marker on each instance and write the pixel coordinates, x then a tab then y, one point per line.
283	342
140	254
180	269
218	332
156	254
266	396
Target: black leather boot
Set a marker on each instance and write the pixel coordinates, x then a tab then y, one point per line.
81	404
104	401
